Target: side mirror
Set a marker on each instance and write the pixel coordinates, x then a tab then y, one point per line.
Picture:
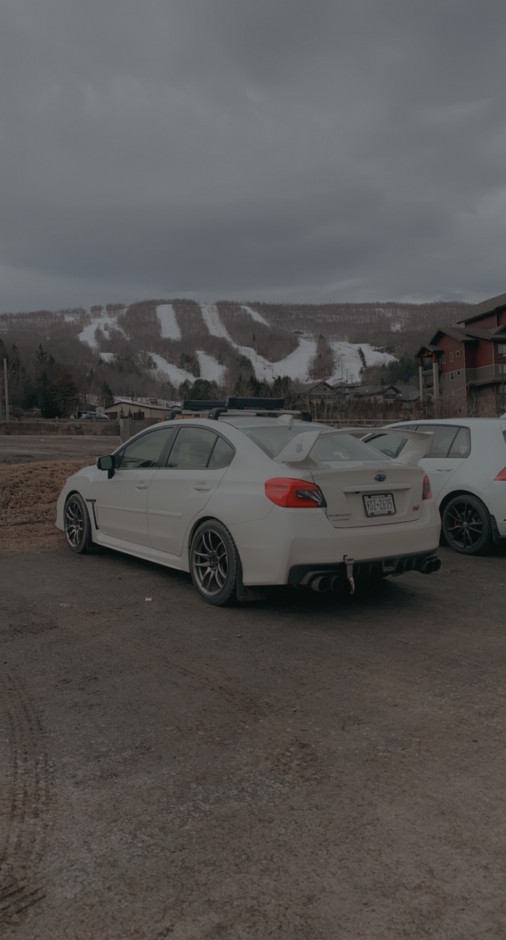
106	463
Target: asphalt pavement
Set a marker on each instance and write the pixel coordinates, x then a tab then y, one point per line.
307	767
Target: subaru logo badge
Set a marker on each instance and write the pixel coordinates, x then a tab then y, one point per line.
380	477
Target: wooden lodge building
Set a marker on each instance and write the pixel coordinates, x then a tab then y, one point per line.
463	368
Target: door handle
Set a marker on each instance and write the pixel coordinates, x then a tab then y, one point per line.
444	469
202	488
141	486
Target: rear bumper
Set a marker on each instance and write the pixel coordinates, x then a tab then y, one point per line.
335	575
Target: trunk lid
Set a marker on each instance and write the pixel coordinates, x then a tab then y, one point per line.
360	487
370	493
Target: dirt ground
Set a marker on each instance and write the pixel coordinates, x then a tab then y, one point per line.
32	472
305	768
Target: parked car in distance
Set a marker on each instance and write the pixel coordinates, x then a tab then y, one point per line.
249	498
467	471
93	416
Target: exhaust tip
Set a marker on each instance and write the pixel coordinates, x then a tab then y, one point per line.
321	584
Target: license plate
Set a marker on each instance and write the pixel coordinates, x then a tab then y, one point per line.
379	504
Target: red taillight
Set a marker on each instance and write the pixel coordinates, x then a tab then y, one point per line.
294	494
426	490
501	475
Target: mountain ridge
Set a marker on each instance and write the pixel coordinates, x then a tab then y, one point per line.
155	346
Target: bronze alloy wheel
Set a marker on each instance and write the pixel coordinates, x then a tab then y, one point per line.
214	563
77	524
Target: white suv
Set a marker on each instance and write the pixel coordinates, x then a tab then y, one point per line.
467	470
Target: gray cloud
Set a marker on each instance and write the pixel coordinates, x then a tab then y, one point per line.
349	150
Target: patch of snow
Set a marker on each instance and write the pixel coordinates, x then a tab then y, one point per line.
171	371
210	368
255	315
214	325
107	356
169	327
100	321
348	361
295	366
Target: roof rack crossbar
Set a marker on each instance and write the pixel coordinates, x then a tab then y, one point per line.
192	404
237	405
274	404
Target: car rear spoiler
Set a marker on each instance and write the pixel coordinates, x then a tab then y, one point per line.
418	444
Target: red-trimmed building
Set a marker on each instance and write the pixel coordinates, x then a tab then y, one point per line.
464	367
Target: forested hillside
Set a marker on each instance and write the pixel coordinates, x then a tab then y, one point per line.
161	348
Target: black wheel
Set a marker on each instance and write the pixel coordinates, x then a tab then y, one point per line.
77	524
214	564
466	525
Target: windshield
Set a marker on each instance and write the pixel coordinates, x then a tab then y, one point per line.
330	446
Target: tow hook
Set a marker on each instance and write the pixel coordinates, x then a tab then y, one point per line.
349	561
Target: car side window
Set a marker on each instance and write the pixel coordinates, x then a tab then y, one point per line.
144	451
222	454
443	438
192	449
461	446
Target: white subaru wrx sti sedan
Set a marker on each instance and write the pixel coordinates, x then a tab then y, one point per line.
248	498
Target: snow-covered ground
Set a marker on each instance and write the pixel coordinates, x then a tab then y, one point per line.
214	325
210	368
348	361
169	327
295	366
102	321
255	315
171	371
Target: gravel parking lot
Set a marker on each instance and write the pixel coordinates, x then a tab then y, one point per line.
307	767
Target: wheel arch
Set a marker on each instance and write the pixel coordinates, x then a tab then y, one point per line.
461	491
195	525
496	536
89	503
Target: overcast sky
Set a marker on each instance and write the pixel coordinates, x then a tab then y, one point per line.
283	150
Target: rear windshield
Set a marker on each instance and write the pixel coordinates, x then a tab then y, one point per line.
329	447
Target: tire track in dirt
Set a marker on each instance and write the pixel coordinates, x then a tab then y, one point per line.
25	808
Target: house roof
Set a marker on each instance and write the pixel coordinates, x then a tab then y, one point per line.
322	383
455	332
494	336
136	404
463	335
486	307
427	348
404	391
364	390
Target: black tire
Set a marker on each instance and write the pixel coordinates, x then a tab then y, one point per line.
215	567
467	527
77	524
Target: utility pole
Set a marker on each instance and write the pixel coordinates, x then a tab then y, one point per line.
6	382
